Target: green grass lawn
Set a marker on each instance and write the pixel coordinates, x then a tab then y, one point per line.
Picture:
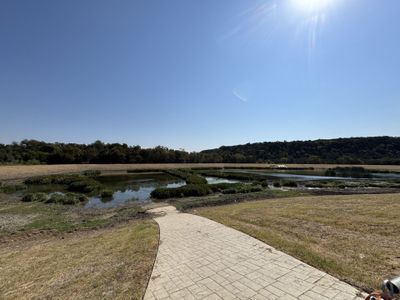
355	238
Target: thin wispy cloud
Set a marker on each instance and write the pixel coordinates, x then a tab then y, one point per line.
240	97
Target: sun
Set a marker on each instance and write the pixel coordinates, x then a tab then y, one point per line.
312	5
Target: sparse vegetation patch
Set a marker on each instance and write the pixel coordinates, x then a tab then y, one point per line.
74	182
59	198
188	176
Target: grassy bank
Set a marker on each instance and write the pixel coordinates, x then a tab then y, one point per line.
23	218
53	251
355	238
112	263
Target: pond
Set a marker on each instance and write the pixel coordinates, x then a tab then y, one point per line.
135	187
124	187
387	175
138	187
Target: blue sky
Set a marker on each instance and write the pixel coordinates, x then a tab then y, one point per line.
198	74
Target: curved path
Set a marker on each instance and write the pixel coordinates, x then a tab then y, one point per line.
201	259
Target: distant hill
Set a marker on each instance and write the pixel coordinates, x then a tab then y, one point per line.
370	150
364	150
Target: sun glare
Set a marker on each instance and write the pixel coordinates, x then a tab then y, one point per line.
312	5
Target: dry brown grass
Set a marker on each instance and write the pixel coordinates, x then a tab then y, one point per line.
356	238
22	171
106	264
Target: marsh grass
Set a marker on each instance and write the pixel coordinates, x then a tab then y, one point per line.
188	176
190	190
73	182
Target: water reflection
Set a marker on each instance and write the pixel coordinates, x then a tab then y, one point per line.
131	189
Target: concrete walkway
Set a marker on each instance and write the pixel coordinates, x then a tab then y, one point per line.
201	259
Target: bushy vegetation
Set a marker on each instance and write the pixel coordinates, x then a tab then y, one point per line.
243	189
277	184
264	183
285	183
188	176
74	182
316	184
198	190
371	150
55	179
190	190
12	188
32	197
232	175
59	198
289	183
91	173
236	188
84	186
219	187
67	198
106	194
354	172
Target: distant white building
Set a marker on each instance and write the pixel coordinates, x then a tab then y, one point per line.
280	166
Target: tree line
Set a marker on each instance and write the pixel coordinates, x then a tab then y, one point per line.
38	152
371	150
367	150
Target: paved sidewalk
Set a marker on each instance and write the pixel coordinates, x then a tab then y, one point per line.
201	259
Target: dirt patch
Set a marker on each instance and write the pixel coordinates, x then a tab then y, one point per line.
9	222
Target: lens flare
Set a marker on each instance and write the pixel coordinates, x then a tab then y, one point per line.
312	5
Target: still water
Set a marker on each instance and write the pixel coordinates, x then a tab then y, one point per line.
131	188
